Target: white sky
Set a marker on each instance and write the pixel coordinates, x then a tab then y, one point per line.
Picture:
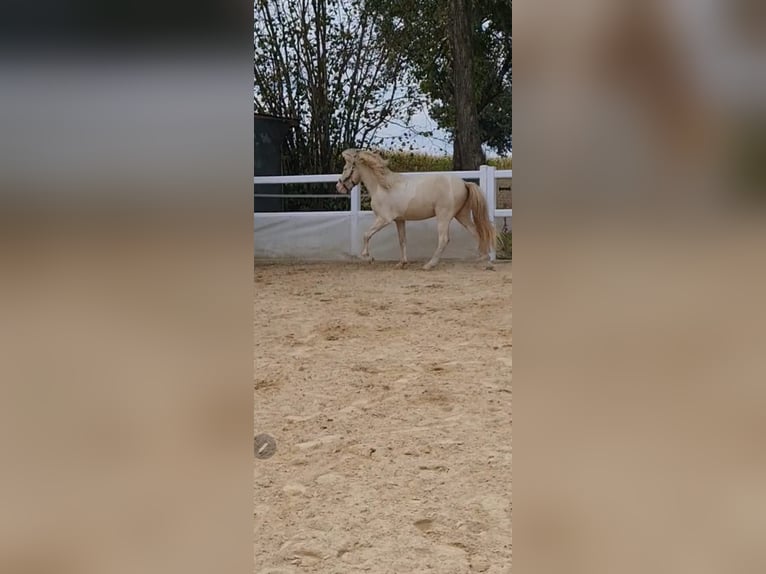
439	144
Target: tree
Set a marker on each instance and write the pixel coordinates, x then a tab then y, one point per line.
425	33
467	153
324	63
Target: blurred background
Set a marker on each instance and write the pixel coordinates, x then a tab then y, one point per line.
125	287
639	187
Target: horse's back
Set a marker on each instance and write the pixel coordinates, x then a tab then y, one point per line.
423	197
443	190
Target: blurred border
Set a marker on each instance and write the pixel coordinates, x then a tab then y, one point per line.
126	253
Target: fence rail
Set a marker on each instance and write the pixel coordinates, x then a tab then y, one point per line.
486	175
307	195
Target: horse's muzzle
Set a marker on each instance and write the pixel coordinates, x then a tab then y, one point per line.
340	187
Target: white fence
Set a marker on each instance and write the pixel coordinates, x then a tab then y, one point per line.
334	235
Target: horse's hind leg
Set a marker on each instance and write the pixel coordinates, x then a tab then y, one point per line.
443	227
464	217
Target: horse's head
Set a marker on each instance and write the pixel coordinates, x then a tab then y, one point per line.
350	176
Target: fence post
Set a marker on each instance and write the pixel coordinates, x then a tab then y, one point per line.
488	185
356	206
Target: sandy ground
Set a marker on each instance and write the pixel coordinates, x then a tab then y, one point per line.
389	395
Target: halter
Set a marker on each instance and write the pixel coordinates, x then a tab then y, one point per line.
350	175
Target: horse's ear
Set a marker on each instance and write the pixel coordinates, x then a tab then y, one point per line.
349	154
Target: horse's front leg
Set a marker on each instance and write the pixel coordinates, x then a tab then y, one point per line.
377	225
402	232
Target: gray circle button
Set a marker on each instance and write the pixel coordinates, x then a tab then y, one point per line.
265	446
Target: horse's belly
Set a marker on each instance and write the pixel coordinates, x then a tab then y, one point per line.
418	215
419	209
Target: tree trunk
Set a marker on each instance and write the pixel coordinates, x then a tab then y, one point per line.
467	152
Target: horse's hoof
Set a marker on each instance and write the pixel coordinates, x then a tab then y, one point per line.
427	267
401	265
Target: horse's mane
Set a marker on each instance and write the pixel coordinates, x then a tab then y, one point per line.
379	167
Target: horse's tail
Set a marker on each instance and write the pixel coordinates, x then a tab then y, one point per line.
478	206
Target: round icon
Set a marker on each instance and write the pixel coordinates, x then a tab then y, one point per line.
265	446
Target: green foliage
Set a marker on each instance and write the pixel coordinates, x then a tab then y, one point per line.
504	249
410	161
420	30
501	162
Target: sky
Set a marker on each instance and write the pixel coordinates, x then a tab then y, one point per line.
439	144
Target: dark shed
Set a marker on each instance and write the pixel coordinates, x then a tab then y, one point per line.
270	132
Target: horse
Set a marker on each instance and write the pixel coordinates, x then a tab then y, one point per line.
398	199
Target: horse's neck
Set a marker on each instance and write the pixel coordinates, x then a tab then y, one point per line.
371	182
